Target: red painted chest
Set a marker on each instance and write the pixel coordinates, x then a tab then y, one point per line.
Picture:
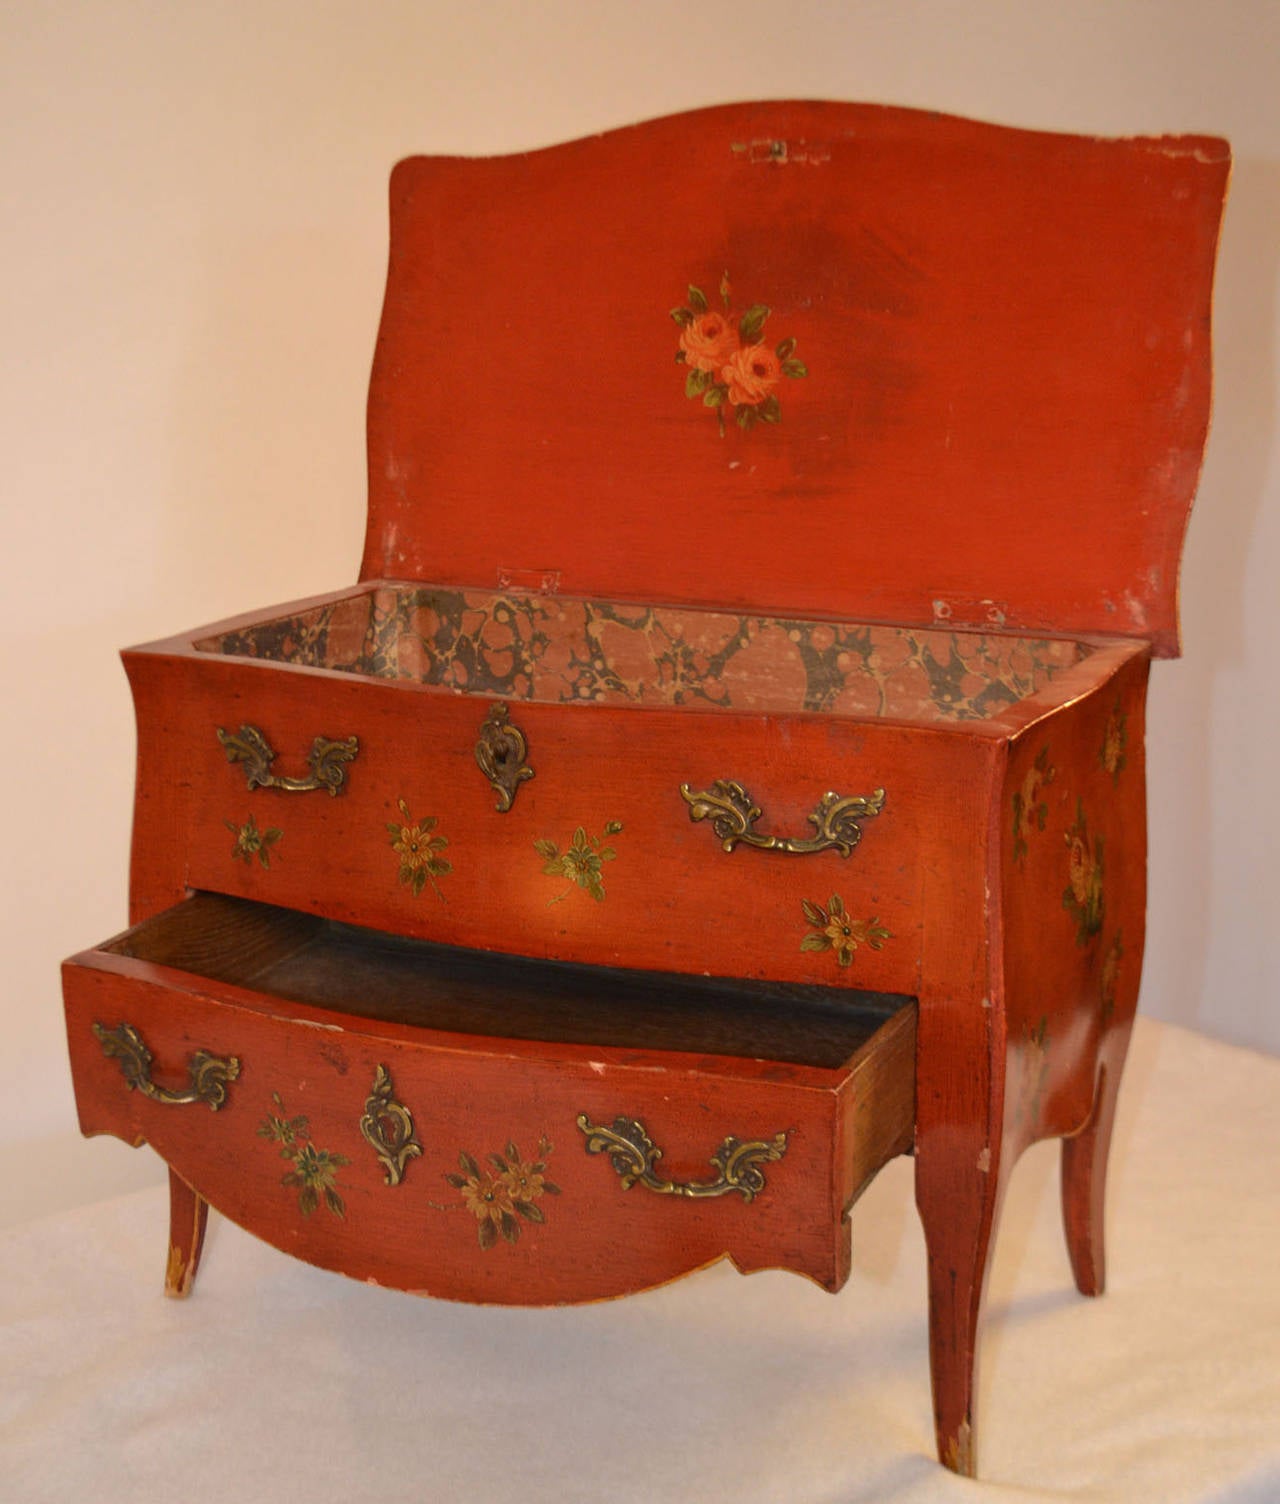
727	772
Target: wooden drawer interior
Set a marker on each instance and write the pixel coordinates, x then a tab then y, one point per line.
322	964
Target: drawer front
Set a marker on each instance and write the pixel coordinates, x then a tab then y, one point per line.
599	856
484	1170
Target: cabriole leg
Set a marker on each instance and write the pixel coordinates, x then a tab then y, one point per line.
958	1193
1084	1172
188	1213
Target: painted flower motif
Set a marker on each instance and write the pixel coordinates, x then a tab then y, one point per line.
315	1171
504	1192
419	851
728	362
751	375
582	863
1083	896
833	929
1030	811
708	341
251	842
486	1197
1115	739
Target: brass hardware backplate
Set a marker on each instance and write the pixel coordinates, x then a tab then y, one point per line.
502	756
633	1154
733	813
209	1074
327	761
387	1126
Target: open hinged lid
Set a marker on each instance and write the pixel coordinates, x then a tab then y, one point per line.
837	359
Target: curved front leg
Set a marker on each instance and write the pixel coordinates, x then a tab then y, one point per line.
960	1177
188	1214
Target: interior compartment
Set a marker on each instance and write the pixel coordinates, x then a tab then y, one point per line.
562	650
302	958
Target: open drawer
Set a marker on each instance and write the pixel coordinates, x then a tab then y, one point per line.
485	1127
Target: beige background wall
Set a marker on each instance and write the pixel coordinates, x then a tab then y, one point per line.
192	251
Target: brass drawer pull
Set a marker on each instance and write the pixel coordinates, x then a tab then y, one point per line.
502	756
733	812
209	1074
633	1154
327	761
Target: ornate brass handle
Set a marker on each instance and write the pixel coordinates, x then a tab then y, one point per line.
633	1154
501	755
733	812
387	1126
209	1074
327	761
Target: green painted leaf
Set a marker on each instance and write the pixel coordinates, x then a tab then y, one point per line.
715	395
393	830
794	368
845	955
335	1203
487	1234
551	1190
469	1165
770	411
752	322
785	348
546	848
815	942
607	854
835	906
695	383
443	866
499	1163
419	881
308	1200
510	1228
746	419
528	1210
456	1181
682	316
812	912
697	299
513	1154
680	357
612	827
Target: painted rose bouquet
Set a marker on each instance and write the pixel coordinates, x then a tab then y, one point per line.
728	361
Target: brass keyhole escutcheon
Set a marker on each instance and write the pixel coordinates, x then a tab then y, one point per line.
501	754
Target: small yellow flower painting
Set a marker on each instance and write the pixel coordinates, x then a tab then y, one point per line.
836	930
504	1191
419	851
581	863
251	843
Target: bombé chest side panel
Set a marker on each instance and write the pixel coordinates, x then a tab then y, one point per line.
1073	878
